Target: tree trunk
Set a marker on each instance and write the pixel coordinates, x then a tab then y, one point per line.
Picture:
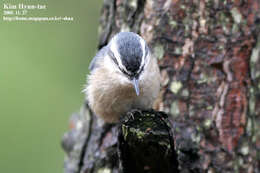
209	57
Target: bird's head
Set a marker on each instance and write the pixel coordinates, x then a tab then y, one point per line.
129	53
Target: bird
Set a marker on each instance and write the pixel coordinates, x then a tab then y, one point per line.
124	75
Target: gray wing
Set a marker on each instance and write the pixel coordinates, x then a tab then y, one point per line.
101	54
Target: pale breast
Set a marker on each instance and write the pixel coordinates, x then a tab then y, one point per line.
108	98
111	95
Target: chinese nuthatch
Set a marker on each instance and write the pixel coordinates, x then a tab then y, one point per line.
123	76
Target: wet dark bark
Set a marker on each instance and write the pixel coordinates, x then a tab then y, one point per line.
145	143
209	57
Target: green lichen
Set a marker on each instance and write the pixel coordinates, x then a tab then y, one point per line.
225	2
166	144
225	29
257	128
177	129
257	74
249	126
183	7
185	93
207	123
252	101
159	51
175	86
222	17
147	124
140	134
255	53
237	164
236	15
175	109
209	107
132	3
245	150
178	51
191	111
187	22
195	138
203	78
254	139
124	131
221	47
104	170
235	28
198	128
254	59
173	24
224	22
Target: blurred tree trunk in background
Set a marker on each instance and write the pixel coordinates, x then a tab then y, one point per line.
209	56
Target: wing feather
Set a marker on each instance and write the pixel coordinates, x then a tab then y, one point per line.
101	54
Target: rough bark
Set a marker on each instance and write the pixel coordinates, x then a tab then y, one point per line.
209	57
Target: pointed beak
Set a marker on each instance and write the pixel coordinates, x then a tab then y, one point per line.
135	82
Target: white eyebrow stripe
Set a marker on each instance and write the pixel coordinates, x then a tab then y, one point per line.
143	51
114	49
142	42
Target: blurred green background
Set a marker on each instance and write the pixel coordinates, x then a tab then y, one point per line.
43	67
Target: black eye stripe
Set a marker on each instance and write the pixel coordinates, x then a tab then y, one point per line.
111	54
141	69
122	70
